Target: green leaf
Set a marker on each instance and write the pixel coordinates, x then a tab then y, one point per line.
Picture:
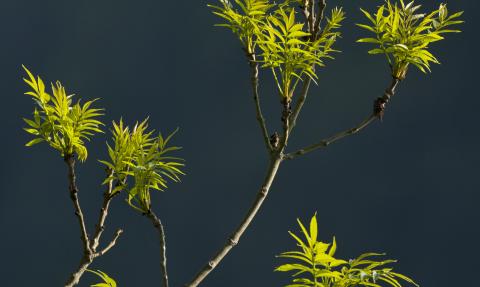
399	31
313	229
107	281
34	141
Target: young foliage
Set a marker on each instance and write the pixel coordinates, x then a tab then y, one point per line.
107	281
290	51
284	45
245	24
137	153
63	125
404	36
314	265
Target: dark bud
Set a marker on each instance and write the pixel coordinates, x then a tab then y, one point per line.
274	140
287	110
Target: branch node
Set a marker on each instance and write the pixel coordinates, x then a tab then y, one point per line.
232	241
211	264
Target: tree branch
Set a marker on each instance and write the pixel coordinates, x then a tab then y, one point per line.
163	249
236	235
111	244
100	226
378	112
318	21
73	189
299	104
289	120
87	251
309	13
326	142
311	17
256	97
89	245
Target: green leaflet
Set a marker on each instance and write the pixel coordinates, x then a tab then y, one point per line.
138	154
403	35
107	281
246	22
65	126
314	265
279	41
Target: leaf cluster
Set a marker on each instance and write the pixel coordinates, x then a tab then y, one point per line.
315	265
138	154
107	281
287	48
282	42
404	35
246	22
65	126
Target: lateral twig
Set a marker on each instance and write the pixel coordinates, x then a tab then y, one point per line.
111	244
378	112
256	97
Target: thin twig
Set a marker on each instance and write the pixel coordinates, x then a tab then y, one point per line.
326	142
256	97
318	21
300	103
89	245
111	244
73	189
236	235
313	29
100	227
378	112
87	251
163	248
311	17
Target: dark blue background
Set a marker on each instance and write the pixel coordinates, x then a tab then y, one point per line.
408	186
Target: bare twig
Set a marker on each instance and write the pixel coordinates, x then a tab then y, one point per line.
235	237
100	227
318	21
326	142
89	245
314	29
378	112
311	17
73	189
163	249
299	104
256	97
111	244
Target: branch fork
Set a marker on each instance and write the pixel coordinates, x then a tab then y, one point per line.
89	245
276	143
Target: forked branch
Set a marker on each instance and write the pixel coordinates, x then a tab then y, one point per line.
89	245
